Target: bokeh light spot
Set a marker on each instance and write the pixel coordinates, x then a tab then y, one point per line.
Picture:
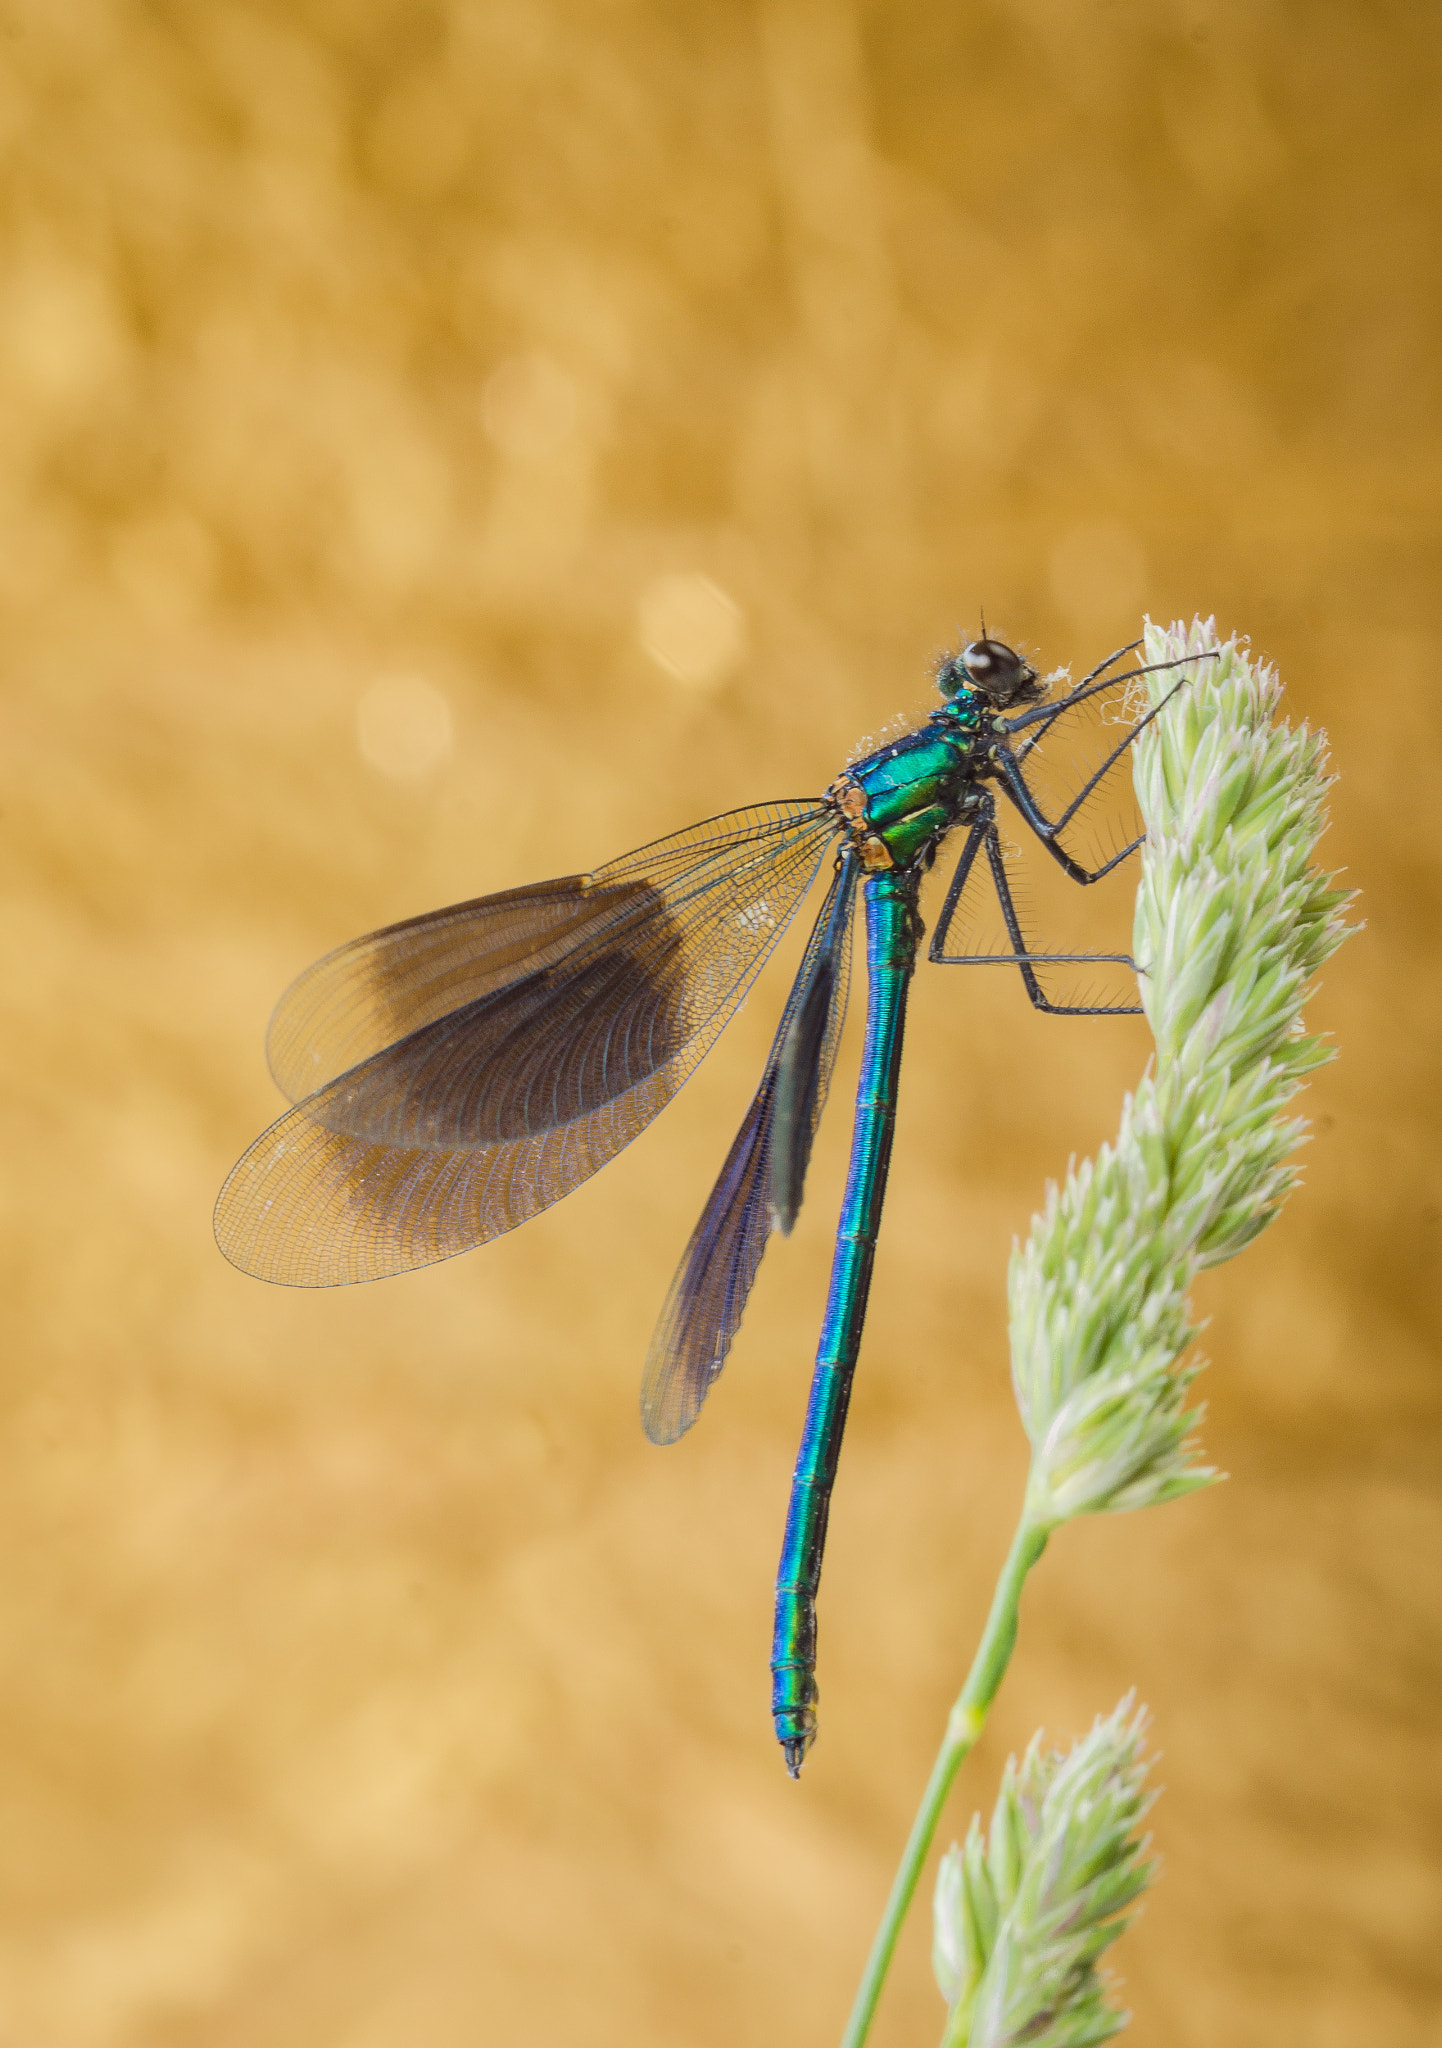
403	727
691	628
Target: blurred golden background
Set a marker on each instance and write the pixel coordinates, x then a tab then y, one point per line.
444	445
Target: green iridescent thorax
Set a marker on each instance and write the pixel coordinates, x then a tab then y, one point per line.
965	709
914	787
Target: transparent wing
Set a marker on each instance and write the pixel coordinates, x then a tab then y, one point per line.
368	994
708	1296
468	1068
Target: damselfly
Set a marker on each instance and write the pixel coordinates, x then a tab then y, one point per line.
457	1073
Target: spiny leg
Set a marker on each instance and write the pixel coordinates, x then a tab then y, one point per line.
964	866
1048	830
1078	692
1029	962
1045	715
1015	786
984	833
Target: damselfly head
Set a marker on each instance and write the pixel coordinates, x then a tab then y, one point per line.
995	669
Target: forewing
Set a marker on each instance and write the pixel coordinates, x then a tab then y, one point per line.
713	1282
375	990
577	1009
548	1048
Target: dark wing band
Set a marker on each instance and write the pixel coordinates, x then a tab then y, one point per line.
500	1052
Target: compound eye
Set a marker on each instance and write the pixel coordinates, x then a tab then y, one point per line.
994	668
1000	672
